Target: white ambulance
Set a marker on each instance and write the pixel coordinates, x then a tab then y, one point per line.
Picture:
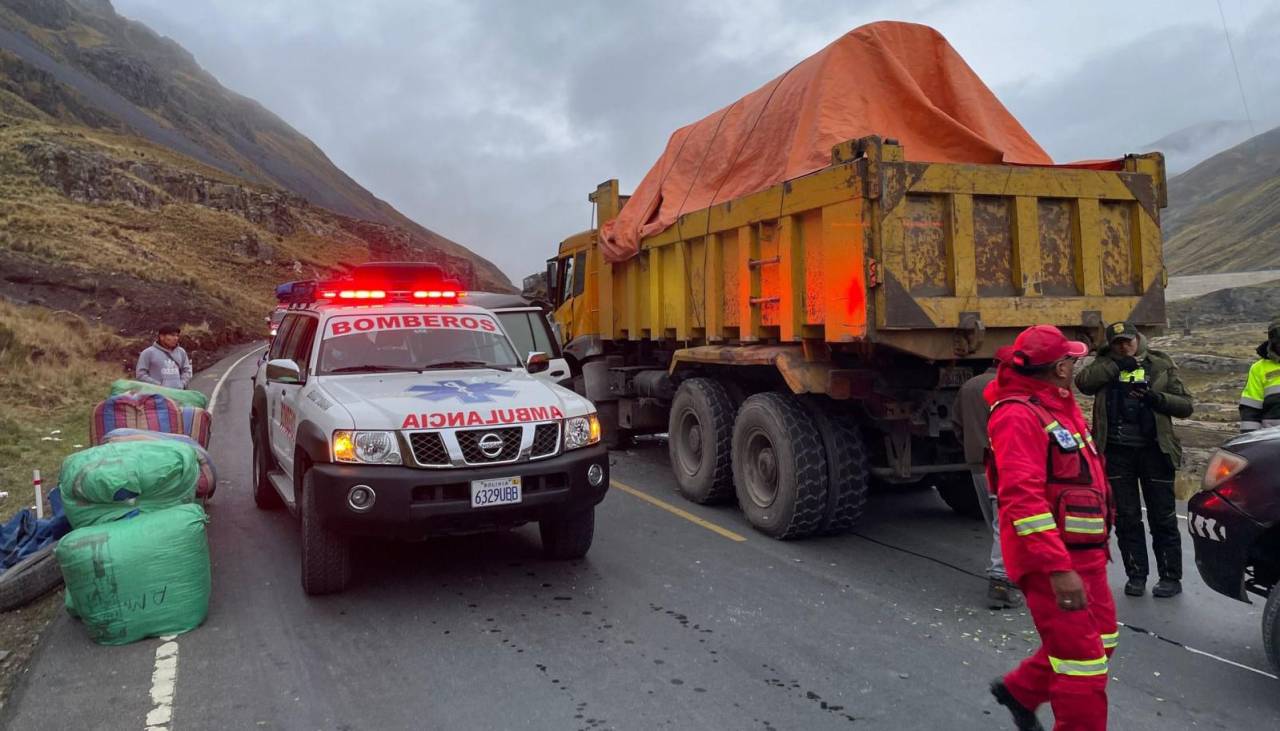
402	413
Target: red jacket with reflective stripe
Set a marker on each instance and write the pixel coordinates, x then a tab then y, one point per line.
1021	452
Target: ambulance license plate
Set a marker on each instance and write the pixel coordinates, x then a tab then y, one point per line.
496	491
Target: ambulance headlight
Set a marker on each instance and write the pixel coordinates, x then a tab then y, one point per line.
366	447
581	431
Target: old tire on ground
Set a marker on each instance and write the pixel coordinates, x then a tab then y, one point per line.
699	441
957	491
1271	626
326	555
848	472
30	579
264	493
568	536
779	466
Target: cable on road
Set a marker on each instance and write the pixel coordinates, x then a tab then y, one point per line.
1194	651
1130	627
925	556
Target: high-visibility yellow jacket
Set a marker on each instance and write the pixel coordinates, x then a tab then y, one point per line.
1260	399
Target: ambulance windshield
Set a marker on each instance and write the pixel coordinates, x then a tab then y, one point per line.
415	342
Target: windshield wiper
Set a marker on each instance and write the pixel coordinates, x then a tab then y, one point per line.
375	369
445	364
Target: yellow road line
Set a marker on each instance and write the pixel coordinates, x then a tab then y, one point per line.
725	532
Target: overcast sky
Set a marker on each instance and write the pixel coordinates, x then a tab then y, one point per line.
489	122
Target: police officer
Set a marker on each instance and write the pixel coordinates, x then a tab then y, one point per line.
1260	400
1136	395
1054	525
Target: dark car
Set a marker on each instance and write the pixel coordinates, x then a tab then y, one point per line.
1235	525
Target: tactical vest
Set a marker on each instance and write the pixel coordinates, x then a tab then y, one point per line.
1081	509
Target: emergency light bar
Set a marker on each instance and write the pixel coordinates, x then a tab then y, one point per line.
310	291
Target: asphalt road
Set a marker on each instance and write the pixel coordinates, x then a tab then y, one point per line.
667	623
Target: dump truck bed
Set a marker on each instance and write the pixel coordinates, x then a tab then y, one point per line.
935	259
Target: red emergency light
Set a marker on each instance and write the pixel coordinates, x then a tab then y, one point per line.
362	294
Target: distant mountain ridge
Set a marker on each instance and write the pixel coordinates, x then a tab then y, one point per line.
1224	214
125	77
1187	147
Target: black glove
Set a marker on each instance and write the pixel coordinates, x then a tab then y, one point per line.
1127	363
1151	398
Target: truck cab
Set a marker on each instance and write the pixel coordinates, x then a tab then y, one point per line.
408	414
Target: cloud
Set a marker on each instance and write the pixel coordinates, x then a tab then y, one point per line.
489	122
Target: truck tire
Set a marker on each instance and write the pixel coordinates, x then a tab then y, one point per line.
779	466
326	555
700	439
264	493
848	472
957	491
568	536
30	579
1271	626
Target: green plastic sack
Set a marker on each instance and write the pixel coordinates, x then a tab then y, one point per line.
184	397
141	577
107	482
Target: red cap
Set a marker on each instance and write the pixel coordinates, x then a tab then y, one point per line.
1041	345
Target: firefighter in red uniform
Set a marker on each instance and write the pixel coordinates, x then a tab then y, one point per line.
1055	520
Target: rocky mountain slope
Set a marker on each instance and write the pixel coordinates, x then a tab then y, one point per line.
1224	214
77	62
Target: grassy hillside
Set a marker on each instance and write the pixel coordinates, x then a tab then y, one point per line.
128	78
1224	214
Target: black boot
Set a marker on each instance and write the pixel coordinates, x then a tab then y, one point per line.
1135	586
1166	588
1023	718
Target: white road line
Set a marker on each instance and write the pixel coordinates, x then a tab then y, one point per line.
217	389
163	684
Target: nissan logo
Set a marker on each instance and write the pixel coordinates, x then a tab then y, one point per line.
491	445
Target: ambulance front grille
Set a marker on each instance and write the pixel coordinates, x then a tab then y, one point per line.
429	449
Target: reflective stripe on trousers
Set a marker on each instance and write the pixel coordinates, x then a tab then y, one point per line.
1095	666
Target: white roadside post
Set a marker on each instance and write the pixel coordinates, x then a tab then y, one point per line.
35	482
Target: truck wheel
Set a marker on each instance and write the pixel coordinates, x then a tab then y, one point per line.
957	491
1271	626
568	536
30	579
848	473
779	466
264	493
699	441
326	555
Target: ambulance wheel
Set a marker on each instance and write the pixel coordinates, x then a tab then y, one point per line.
699	441
957	491
568	536
779	466
848	473
264	493
326	555
1271	626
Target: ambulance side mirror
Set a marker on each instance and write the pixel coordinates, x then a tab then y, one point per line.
283	370
537	362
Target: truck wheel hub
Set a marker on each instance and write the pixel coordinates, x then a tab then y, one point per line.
762	477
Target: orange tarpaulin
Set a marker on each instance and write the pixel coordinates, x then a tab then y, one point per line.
898	80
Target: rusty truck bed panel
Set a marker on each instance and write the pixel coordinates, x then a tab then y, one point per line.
941	260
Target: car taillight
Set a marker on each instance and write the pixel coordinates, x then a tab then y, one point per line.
1223	465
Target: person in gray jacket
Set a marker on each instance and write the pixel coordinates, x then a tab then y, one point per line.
165	363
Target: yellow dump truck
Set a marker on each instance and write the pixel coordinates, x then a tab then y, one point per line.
799	342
